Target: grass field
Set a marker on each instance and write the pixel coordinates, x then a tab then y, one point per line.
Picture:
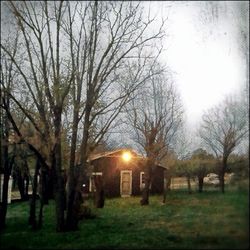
209	220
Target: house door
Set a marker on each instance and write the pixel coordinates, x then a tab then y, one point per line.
126	183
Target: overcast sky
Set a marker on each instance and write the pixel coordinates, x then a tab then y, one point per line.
203	51
202	48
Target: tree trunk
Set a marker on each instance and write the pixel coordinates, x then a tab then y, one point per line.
20	184
99	193
189	184
75	213
200	180
71	223
4	203
59	191
222	174
32	217
167	183
7	172
26	187
40	219
145	193
222	182
4	156
75	198
58	182
43	195
146	190
50	187
44	186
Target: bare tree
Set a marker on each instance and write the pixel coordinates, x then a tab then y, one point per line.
155	116
43	78
116	44
7	75
203	163
222	130
73	60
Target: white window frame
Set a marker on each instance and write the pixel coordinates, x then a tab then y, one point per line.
142	185
91	183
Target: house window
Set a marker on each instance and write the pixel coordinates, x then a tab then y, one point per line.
92	182
142	180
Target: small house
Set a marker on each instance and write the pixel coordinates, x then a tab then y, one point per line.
122	173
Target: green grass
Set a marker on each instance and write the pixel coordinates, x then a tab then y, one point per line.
210	220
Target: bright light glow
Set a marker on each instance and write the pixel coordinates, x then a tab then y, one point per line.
206	59
126	156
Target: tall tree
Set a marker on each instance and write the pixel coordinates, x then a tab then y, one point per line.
7	75
114	45
155	116
72	60
43	81
222	130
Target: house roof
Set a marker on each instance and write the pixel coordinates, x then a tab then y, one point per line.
105	154
93	157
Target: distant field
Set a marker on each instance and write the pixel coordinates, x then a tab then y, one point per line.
209	220
181	183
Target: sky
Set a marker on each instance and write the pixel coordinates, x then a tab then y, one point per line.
202	50
203	53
